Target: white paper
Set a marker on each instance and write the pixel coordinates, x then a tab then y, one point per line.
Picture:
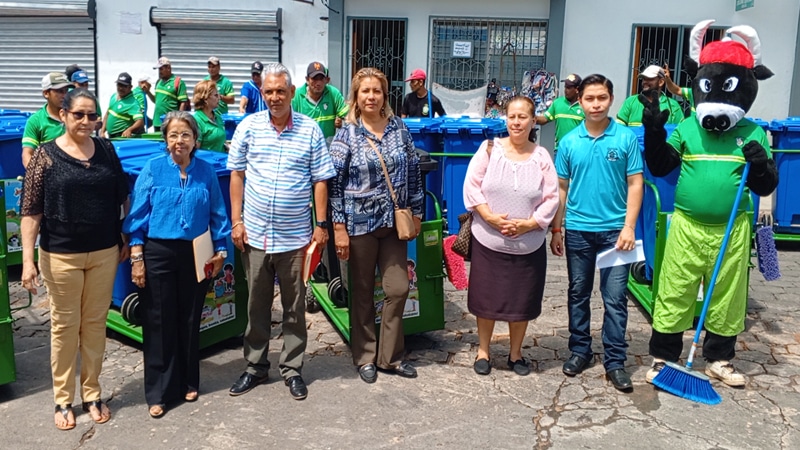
203	251
613	257
130	23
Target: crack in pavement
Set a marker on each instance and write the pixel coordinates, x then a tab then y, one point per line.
86	436
787	426
543	431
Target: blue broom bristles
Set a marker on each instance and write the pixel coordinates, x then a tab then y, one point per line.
767	254
686	383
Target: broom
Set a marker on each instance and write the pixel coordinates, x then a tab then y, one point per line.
683	381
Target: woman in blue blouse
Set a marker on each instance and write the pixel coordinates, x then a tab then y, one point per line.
363	218
176	199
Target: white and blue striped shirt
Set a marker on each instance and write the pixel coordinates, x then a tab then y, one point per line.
280	169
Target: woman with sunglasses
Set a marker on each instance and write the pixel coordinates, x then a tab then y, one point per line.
73	191
176	198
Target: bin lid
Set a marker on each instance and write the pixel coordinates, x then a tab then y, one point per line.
480	126
133	148
762	123
133	165
426	164
218	160
7	134
423	124
788	124
234	117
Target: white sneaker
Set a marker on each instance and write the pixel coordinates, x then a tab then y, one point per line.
725	372
655	368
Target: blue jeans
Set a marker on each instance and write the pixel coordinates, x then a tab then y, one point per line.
582	248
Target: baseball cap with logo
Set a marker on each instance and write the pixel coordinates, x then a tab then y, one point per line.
572	80
125	79
417	74
257	67
652	71
163	61
80	77
54	80
213	60
316	68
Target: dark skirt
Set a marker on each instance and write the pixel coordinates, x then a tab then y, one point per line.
506	287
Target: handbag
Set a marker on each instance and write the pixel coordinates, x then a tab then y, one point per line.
403	218
462	246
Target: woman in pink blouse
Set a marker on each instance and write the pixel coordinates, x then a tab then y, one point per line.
511	188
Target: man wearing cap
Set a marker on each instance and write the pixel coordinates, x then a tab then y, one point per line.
566	111
420	102
252	101
224	85
653	79
320	101
80	80
124	115
45	125
170	93
141	97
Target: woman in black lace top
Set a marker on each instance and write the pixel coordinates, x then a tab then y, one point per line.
73	190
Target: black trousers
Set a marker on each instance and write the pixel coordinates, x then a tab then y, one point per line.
668	346
172	300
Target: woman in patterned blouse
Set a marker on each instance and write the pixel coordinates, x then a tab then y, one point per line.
363	217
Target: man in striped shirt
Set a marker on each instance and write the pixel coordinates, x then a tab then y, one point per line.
284	158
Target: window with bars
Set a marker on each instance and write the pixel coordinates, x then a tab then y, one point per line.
468	52
664	44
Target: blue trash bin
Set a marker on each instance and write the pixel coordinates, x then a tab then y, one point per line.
786	143
427	136
231	121
11	152
12	118
462	138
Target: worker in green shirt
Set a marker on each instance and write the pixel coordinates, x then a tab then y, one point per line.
141	97
320	101
566	111
124	115
224	85
653	79
45	125
170	93
211	128
674	89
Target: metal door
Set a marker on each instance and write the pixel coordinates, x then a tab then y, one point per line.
380	43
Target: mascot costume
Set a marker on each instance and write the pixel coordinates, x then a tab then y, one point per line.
711	150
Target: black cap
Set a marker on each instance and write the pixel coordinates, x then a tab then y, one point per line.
125	79
316	68
257	67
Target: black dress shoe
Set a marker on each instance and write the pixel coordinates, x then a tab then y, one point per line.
406	370
246	383
620	379
297	387
482	367
574	365
521	366
368	373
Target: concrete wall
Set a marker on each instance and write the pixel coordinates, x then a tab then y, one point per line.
598	39
305	36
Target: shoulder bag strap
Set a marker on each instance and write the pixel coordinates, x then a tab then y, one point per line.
385	172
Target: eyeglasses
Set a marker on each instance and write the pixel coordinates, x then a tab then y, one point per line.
182	136
78	115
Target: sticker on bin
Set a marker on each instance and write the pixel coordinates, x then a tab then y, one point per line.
430	238
220	303
411	308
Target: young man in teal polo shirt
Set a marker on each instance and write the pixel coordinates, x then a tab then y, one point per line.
320	101
566	111
45	125
124	116
599	168
224	85
653	79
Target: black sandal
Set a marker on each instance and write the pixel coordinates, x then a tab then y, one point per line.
99	405
65	410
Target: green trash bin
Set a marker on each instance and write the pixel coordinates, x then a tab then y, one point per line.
8	371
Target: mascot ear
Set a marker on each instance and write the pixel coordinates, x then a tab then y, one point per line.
761	72
690	66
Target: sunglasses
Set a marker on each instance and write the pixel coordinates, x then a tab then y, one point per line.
77	115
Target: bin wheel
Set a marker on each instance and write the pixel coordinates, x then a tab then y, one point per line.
639	273
130	309
337	293
312	306
320	274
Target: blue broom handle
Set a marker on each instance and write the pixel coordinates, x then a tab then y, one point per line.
718	265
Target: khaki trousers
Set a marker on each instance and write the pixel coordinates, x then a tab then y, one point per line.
79	287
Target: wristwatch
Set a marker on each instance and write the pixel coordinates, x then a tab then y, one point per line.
223	253
322	224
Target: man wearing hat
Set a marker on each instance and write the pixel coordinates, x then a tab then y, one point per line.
45	125
224	85
420	102
170	93
124	116
252	101
566	111
320	101
653	79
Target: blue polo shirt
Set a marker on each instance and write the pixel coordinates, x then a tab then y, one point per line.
598	170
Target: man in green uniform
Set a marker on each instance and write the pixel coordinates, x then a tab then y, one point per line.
170	93
45	125
653	79
141	97
565	111
124	115
224	85
320	101
80	80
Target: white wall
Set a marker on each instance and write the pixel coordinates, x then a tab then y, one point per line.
597	39
305	37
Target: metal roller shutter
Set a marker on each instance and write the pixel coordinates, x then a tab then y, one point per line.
38	38
237	38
